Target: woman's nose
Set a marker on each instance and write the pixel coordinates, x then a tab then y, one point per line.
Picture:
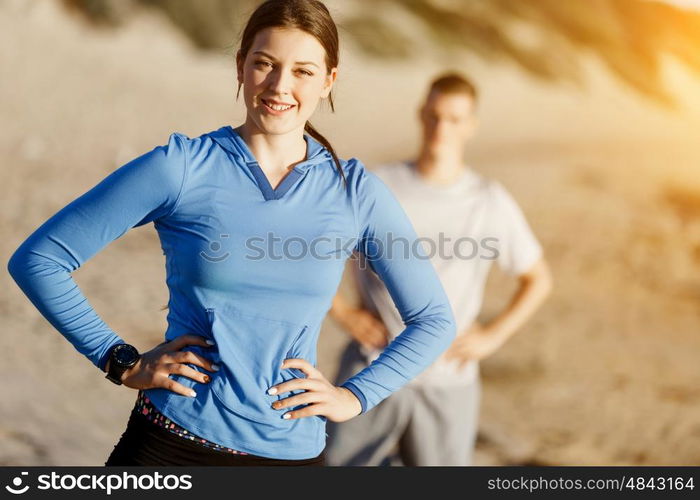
280	82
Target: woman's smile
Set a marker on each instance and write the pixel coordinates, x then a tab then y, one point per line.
276	108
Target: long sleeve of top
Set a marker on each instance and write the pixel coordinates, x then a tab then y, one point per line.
389	245
253	268
138	192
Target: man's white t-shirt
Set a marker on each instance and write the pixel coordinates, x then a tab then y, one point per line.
463	227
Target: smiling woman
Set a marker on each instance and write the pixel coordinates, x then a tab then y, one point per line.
237	370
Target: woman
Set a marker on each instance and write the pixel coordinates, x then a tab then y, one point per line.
256	223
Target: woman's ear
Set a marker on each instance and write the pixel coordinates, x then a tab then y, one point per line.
330	80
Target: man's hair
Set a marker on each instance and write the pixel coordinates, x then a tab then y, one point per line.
453	83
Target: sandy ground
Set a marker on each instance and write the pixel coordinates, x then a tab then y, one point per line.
607	371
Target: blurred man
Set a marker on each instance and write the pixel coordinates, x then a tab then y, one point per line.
465	222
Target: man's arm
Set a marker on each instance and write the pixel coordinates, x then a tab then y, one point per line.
339	308
535	287
481	341
360	323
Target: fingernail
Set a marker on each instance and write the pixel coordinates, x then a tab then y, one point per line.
286	416
272	390
206	378
193	394
210	342
215	367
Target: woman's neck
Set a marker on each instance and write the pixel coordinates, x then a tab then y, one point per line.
275	153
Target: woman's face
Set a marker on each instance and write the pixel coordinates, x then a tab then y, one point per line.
284	75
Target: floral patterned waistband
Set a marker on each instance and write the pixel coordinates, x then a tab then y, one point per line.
145	408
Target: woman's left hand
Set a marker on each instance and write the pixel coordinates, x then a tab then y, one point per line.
338	404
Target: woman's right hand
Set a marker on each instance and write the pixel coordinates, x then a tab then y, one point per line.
153	367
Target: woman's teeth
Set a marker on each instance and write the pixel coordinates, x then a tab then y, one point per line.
277	107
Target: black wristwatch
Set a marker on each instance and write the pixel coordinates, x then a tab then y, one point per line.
121	358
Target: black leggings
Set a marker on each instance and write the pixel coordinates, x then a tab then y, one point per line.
144	443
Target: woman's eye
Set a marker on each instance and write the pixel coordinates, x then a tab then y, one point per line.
304	72
263	63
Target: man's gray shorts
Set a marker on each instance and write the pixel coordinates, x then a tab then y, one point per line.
415	426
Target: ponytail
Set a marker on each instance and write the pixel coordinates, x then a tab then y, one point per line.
317	135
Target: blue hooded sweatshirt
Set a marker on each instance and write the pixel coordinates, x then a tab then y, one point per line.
251	267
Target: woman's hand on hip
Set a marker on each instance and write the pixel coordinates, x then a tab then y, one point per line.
154	367
323	398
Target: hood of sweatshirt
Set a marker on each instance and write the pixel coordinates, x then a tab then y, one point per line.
229	139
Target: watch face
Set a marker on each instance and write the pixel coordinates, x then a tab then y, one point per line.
125	355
